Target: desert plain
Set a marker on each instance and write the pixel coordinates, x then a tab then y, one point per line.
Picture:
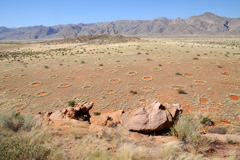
202	74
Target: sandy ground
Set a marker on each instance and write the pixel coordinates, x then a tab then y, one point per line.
208	71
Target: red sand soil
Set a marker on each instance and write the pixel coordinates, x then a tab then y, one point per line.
199	82
110	92
142	100
35	84
114	81
147	78
188	74
203	100
225	74
198	68
178	87
1	87
18	107
39	72
111	71
42	94
12	90
64	85
213	63
173	63
54	76
235	98
132	73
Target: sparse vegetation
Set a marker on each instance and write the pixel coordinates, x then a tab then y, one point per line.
96	113
133	92
71	103
181	91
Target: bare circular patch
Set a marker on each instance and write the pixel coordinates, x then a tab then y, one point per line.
198	82
111	91
87	87
204	100
142	100
25	95
19	107
177	87
147	78
225	74
40	72
188	74
35	84
97	69
11	91
234	97
116	80
213	63
64	85
132	73
42	93
112	71
54	76
156	69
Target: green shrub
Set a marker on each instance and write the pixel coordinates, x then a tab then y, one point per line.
71	103
96	113
13	120
219	130
133	92
179	74
188	130
181	91
101	64
207	121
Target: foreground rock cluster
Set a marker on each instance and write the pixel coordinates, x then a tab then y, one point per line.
154	118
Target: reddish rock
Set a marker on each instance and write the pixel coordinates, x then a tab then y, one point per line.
150	119
56	116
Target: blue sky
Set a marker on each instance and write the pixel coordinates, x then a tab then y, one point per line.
21	13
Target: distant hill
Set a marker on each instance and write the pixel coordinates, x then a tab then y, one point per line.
204	24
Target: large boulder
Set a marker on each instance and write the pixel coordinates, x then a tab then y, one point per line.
154	118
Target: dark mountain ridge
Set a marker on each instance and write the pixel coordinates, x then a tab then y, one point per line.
204	24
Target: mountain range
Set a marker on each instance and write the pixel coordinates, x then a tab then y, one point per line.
204	24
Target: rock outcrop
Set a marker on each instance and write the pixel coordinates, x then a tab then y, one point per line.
154	118
78	112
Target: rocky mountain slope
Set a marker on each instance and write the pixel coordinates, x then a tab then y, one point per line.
205	24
